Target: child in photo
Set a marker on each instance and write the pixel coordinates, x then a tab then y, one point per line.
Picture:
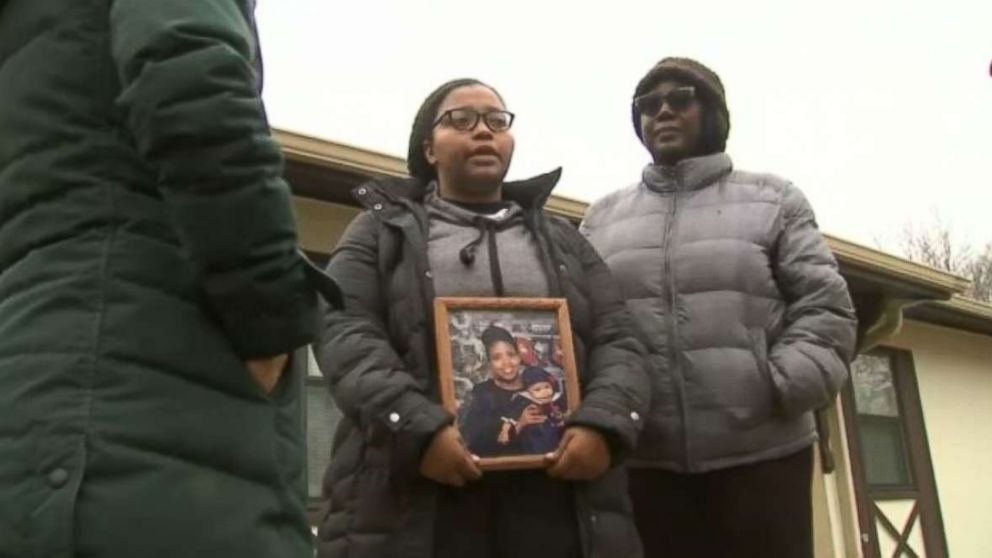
542	396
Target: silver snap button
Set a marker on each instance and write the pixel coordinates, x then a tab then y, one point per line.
394	417
377	207
58	478
562	268
592	518
362	191
429	274
634	416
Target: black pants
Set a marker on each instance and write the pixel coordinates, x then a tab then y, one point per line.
760	510
519	514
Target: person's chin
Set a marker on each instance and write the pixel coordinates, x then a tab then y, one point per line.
485	174
667	151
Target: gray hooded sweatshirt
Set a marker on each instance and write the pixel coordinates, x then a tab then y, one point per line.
739	300
472	254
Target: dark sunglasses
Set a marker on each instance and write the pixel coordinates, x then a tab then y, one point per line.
466	119
677	99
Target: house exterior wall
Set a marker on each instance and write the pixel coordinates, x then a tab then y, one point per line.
321	223
954	373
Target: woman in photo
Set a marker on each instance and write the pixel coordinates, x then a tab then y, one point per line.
401	480
495	422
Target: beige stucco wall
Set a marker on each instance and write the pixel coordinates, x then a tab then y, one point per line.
954	372
321	223
835	515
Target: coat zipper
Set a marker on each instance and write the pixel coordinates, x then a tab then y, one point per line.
673	325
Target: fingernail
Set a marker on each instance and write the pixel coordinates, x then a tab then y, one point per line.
475	458
549	456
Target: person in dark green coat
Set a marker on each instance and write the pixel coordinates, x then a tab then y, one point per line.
150	287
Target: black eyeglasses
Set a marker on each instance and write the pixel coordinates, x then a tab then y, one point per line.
677	99
466	119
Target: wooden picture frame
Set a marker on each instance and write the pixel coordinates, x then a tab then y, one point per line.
503	425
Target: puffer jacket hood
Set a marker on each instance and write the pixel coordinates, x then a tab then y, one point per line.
688	174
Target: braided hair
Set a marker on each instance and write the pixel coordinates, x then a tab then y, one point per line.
423	127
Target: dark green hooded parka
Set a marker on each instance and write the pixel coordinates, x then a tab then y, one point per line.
147	250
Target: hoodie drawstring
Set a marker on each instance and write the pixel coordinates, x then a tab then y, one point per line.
494	269
467	253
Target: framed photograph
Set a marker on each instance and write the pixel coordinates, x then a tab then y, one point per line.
507	373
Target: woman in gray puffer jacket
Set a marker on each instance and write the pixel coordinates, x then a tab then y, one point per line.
749	326
401	482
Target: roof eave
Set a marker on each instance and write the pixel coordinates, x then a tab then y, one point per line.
927	282
959	313
884	272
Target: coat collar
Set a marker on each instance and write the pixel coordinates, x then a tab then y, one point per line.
531	193
687	175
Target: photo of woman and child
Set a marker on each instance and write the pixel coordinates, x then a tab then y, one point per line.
510	387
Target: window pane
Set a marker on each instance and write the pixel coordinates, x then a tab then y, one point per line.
874	392
322	420
884	451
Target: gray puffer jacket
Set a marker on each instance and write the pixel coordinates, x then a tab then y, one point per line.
738	298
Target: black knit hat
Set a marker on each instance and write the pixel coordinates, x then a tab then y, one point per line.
716	116
494	334
533	376
416	161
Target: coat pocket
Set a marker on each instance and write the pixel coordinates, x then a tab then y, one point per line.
290	384
753	398
759	347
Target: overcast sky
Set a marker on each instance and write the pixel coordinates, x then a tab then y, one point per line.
881	111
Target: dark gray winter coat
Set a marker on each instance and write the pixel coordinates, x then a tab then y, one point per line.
378	356
749	323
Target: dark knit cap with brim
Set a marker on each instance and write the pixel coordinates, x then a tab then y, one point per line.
423	127
716	116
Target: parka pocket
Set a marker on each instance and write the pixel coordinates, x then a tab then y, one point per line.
287	389
290	384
